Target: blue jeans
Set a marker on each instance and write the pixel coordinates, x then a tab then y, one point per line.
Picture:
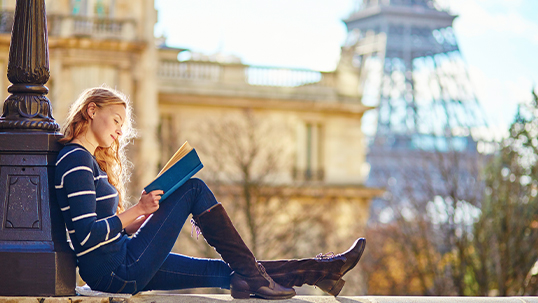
149	264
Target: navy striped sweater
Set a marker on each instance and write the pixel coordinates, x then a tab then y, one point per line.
88	203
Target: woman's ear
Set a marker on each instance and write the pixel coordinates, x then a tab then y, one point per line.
92	108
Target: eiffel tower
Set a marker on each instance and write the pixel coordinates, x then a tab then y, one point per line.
412	70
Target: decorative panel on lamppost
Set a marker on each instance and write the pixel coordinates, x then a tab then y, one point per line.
34	256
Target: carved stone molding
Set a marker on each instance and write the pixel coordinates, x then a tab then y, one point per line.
19	213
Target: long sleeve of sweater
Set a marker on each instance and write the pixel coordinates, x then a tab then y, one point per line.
89	205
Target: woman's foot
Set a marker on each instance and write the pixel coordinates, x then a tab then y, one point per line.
323	271
333	284
350	257
261	286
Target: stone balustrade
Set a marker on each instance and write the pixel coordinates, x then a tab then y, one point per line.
97	28
66	26
204	71
284	77
244	74
240	80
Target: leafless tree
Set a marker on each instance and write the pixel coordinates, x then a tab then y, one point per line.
246	155
248	163
434	198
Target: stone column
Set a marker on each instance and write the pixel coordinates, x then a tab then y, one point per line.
146	103
35	259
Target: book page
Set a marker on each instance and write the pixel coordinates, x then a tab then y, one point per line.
180	153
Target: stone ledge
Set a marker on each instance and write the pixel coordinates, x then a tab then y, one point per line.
151	297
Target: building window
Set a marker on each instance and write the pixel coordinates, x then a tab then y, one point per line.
310	159
97	8
79	7
103	8
168	138
310	149
100	8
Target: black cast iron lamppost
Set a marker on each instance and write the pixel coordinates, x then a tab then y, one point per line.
35	259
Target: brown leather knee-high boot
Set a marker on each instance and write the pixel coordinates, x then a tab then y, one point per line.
324	272
248	277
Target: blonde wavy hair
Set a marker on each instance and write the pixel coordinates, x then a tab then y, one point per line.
112	160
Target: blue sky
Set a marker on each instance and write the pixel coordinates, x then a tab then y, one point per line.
498	39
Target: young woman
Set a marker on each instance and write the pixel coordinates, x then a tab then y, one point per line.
90	190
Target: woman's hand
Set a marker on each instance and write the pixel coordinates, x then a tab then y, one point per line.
147	205
149	202
135	226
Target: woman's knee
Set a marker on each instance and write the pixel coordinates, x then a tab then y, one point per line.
189	190
204	196
197	183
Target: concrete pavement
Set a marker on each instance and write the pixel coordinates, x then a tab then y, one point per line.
153	297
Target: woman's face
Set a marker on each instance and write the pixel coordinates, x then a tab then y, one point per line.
106	124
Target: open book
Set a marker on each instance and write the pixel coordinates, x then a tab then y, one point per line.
180	168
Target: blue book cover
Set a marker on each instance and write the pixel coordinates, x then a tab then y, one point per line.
181	167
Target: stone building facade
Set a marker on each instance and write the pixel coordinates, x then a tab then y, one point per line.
310	119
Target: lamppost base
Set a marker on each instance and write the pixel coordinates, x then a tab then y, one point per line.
35	259
37	273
